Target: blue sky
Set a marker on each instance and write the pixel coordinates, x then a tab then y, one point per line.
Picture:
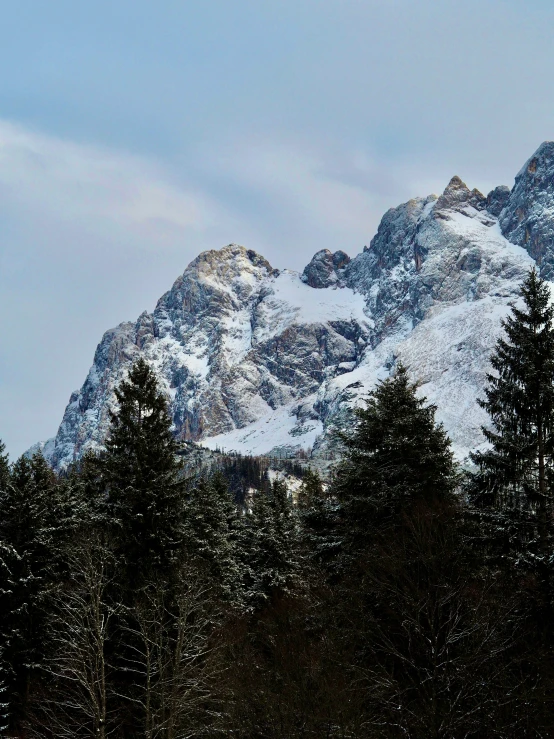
134	135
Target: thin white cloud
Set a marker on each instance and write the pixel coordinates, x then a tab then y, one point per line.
96	186
299	181
90	237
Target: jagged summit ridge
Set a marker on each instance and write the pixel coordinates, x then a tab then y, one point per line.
256	359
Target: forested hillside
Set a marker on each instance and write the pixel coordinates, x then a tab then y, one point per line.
401	596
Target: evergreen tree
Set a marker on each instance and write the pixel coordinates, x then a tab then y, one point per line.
511	493
86	480
213	533
395	456
517	472
318	512
32	529
407	615
144	505
144	477
272	550
244	474
7	555
4	467
310	490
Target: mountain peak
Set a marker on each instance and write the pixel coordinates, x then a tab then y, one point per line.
456	183
457	195
233	268
232	253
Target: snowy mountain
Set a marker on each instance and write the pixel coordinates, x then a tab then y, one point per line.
257	360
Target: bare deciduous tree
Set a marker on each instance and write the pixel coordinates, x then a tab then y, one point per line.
77	703
172	657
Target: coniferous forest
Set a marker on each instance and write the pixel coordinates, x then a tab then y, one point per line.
404	596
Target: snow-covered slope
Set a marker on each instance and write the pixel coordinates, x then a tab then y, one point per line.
259	361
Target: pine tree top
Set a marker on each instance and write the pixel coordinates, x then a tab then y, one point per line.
4	466
395	456
396	438
518	469
143	476
140	447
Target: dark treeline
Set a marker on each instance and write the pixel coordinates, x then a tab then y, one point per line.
402	598
244	473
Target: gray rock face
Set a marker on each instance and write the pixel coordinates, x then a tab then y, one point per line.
528	216
497	200
386	272
254	359
425	251
325	268
458	196
229	346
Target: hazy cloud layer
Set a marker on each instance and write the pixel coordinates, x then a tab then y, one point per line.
133	135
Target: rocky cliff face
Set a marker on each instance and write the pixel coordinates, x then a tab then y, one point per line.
258	360
527	219
233	342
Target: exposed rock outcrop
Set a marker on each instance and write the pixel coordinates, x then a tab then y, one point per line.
528	216
497	200
230	344
457	196
325	268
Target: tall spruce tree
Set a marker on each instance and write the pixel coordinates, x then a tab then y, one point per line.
396	455
517	472
4	467
87	482
405	614
144	477
145	503
7	557
318	513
